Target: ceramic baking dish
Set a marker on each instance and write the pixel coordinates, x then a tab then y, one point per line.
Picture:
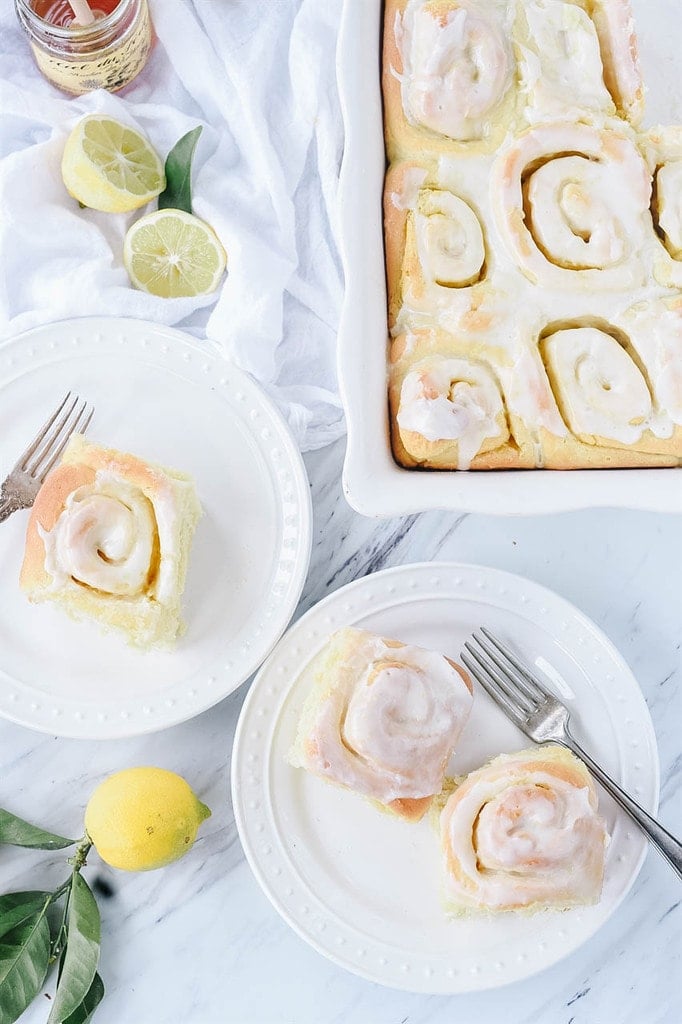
373	482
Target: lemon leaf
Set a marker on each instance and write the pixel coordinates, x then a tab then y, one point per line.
81	956
83	1013
177	194
24	959
17	832
17	907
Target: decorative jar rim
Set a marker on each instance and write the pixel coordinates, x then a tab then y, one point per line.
79	33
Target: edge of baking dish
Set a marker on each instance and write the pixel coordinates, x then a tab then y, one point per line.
373	483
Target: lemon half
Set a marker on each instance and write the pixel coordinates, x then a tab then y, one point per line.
171	253
143	818
110	166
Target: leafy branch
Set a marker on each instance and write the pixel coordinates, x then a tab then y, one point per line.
32	938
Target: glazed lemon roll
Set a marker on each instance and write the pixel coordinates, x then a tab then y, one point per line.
663	149
448	70
456	401
605	399
523	833
382	719
448	408
109	538
435	249
577	60
572	204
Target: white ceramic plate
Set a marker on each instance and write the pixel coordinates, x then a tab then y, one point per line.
373	482
362	887
172	401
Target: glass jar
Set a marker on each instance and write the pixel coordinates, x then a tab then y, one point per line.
107	54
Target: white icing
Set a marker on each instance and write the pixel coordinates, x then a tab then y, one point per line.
390	723
103	538
401	710
452	399
600	389
577	219
669	198
528	392
589	213
561	68
521	835
449	239
456	67
655	329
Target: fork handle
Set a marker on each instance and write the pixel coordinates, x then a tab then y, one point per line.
665	843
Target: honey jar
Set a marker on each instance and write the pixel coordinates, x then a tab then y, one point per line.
106	54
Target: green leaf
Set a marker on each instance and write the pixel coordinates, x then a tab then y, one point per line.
83	1013
82	952
177	194
17	907
24	957
17	832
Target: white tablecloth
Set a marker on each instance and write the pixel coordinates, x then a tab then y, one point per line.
259	76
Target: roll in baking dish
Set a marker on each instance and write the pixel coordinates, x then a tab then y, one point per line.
533	240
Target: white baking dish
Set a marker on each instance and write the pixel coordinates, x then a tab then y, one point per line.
373	483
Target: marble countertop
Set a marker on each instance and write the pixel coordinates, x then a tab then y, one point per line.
198	943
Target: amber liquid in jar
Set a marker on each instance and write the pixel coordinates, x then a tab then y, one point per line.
58	12
106	54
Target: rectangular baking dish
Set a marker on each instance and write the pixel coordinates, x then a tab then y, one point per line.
373	482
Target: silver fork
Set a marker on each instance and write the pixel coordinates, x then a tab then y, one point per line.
542	717
20	488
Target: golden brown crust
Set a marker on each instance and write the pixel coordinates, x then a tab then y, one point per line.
47	507
395	224
395	124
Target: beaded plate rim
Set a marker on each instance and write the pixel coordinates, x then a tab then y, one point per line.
203	365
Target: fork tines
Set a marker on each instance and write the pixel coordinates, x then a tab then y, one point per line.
499	672
71	415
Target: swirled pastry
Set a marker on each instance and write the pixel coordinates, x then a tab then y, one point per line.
449	407
449	73
523	833
109	538
436	255
533	240
382	719
572	204
604	392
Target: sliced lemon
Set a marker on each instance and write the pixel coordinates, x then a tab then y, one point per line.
109	166
171	253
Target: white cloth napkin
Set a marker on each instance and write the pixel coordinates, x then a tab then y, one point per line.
259	76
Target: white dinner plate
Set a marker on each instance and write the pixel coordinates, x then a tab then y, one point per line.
362	887
170	400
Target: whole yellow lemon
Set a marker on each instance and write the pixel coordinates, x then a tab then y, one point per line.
143	818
